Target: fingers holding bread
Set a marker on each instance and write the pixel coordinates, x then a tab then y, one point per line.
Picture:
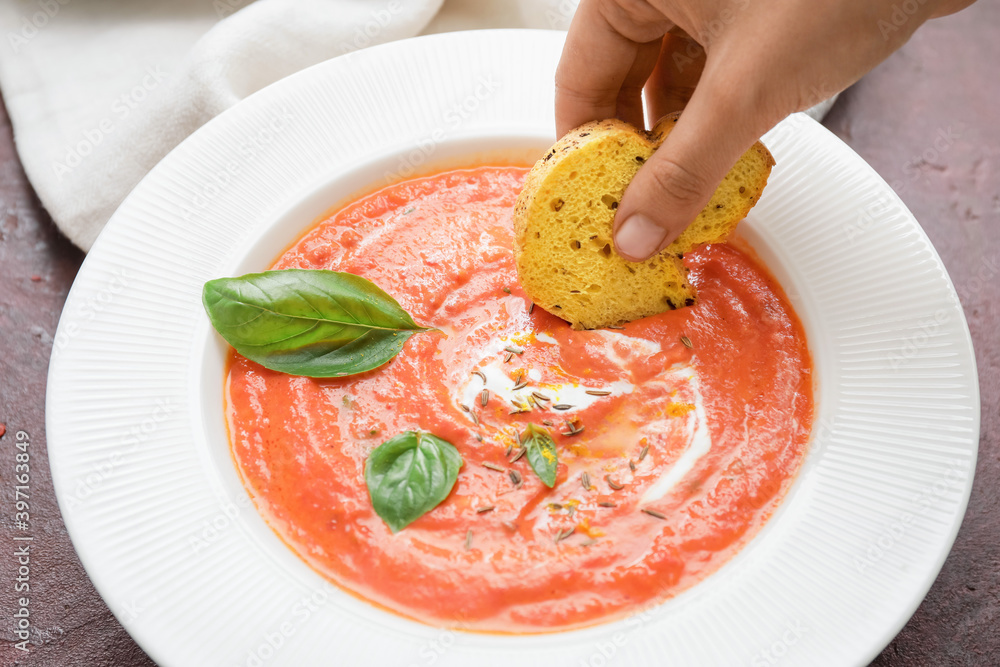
563	226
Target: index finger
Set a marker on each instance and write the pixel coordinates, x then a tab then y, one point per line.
596	62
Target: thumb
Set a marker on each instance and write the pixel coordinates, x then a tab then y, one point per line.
675	184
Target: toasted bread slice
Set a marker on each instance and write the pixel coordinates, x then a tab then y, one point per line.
563	226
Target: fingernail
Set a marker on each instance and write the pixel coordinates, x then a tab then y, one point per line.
639	237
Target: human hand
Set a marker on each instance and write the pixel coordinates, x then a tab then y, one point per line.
749	65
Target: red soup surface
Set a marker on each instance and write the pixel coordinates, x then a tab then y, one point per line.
700	415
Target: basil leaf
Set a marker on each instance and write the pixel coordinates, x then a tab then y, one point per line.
409	475
308	322
541	452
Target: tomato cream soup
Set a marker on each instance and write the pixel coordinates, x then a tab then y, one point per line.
677	435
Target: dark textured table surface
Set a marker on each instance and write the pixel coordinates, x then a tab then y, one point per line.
926	119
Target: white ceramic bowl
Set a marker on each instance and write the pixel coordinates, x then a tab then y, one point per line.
152	499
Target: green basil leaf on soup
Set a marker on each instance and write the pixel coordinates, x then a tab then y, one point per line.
409	475
541	452
309	322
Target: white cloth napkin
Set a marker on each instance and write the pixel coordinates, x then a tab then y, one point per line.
98	91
